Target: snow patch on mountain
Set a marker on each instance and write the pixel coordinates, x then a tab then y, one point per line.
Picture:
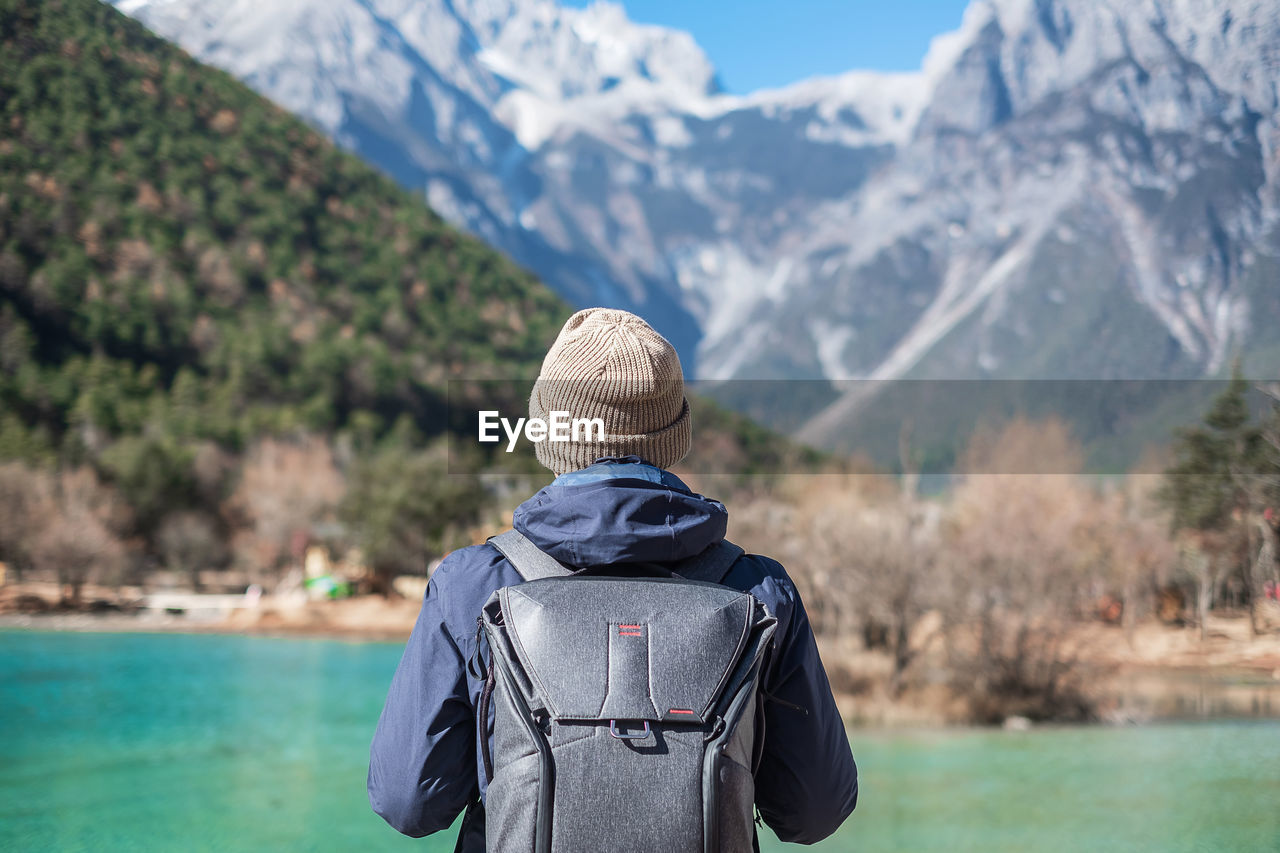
1054	164
853	109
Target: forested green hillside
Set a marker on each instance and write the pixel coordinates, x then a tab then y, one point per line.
220	336
180	255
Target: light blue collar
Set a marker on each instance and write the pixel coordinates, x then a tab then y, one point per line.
626	467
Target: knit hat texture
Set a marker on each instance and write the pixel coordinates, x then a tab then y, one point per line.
612	365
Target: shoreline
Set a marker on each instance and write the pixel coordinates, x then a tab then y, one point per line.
1145	672
395	617
144	623
371	618
1152	673
116	623
1226	641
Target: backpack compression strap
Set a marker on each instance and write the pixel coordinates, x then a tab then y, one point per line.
533	563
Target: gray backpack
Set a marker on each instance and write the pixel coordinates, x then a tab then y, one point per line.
624	707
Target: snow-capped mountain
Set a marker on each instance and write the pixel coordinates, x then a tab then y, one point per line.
1067	188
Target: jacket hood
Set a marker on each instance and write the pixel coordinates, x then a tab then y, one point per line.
620	511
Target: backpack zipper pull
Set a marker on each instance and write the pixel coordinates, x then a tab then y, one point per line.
475	663
783	702
715	730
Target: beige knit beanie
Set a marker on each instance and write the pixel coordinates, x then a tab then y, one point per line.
612	365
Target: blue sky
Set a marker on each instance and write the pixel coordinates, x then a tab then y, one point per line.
758	44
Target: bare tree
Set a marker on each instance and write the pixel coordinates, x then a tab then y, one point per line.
1209	557
1019	547
1267	561
189	542
893	566
806	524
286	487
79	539
1137	554
862	555
26	496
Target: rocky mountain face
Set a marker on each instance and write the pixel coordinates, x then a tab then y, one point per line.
1068	188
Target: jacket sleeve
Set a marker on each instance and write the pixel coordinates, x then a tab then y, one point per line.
422	761
807	783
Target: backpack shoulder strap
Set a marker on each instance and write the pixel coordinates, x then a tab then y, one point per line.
712	564
531	562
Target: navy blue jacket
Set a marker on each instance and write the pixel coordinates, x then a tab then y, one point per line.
424	764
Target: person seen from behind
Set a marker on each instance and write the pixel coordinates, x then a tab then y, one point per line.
613	503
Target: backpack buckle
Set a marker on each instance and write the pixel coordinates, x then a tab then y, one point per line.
613	730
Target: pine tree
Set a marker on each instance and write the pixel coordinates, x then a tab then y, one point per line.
1205	485
1213	491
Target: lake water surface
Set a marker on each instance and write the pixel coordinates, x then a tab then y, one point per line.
190	742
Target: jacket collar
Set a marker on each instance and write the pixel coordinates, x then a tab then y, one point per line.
620	510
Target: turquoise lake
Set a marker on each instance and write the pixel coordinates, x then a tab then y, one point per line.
190	742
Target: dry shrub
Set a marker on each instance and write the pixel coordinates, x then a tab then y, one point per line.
896	573
1133	532
285	489
77	532
1021	545
862	555
25	498
802	524
189	542
212	469
1005	567
847	680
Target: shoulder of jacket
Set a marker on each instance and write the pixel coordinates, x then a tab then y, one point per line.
766	575
465	561
466	573
461	584
765	566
